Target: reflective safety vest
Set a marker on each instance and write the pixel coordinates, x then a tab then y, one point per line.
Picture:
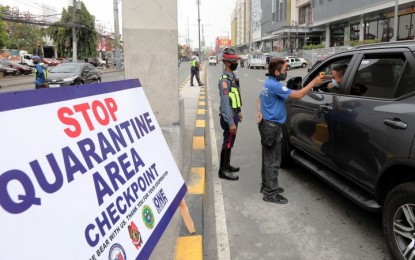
193	63
234	94
45	72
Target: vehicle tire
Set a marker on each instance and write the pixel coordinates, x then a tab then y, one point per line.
286	160
399	220
303	65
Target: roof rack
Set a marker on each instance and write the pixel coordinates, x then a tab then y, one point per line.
380	44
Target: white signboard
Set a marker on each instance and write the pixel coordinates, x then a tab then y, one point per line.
85	173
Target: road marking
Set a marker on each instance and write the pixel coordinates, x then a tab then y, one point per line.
189	247
261	80
222	240
246	75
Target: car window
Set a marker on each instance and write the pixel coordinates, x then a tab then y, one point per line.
66	68
377	75
327	70
406	83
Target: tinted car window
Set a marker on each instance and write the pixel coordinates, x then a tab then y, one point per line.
378	74
66	68
406	83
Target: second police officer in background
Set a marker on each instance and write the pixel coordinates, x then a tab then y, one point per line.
230	112
194	69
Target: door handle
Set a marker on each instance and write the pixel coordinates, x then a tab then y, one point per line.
395	123
326	107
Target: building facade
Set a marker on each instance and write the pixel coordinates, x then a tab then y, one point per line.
288	25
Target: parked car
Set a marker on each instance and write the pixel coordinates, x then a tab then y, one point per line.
23	69
302	60
67	74
293	63
257	60
50	62
7	71
213	60
360	139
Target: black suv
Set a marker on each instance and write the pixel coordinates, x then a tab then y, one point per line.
360	137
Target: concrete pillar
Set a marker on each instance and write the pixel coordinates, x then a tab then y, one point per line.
327	36
362	29
150	54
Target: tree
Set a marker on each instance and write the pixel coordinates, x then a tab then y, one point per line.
3	33
86	34
20	36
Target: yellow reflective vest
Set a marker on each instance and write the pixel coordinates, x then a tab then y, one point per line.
234	94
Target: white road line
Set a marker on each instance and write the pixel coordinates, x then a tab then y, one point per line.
222	239
261	80
245	75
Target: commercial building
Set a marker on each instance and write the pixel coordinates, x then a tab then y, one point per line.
277	25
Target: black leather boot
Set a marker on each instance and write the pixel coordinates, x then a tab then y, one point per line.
224	172
230	167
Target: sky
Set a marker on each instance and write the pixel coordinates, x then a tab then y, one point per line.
215	16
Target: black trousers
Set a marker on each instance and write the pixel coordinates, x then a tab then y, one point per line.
271	138
228	138
194	72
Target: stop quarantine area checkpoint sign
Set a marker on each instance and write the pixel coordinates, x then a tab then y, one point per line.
85	173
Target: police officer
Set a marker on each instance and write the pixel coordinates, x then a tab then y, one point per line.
194	69
230	112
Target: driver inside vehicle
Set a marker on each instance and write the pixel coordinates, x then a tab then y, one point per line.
337	77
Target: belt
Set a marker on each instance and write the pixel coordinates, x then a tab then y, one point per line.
270	123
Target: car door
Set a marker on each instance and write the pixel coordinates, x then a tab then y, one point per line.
311	116
373	123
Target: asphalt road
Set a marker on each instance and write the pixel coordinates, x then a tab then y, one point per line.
317	222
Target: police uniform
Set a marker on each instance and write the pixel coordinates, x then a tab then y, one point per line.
230	107
194	70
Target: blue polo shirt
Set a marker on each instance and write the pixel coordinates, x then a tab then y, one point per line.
273	96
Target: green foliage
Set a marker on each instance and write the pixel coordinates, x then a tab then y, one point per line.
20	36
313	46
3	33
86	35
357	43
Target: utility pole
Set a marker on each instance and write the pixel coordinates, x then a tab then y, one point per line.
117	36
74	40
395	23
198	21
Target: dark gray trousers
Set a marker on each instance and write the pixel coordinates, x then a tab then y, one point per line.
271	138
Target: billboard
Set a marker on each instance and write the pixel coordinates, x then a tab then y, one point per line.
85	173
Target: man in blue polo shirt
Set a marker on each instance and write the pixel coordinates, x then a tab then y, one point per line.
271	115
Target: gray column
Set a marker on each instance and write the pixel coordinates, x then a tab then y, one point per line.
362	29
327	35
150	54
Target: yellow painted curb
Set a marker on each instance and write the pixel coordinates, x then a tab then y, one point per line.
189	248
201	112
200	123
197	185
201	103
198	142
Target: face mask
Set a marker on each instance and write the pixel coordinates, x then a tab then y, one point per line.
281	76
233	66
335	84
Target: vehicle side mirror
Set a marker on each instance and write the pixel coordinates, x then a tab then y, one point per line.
294	83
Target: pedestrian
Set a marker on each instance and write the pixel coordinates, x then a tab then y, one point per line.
40	74
271	117
194	69
230	112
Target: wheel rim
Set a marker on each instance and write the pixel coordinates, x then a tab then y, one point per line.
404	230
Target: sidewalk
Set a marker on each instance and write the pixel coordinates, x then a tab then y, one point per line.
176	242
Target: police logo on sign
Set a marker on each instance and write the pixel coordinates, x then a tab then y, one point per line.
160	200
